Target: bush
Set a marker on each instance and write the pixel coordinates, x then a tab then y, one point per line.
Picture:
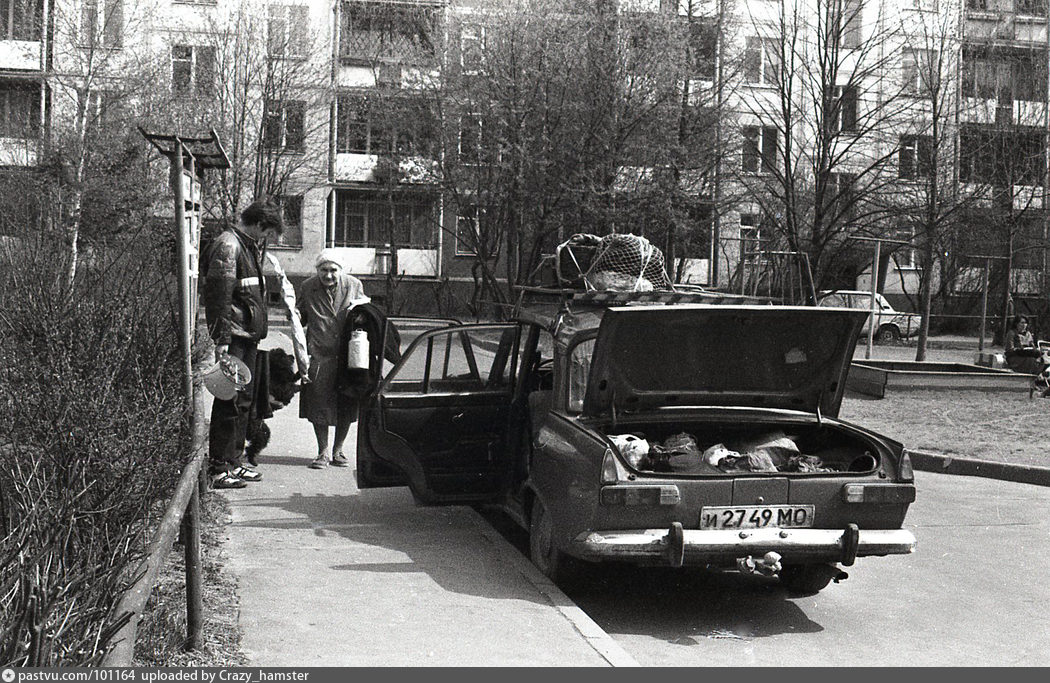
90	423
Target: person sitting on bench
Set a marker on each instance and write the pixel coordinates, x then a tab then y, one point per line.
1022	353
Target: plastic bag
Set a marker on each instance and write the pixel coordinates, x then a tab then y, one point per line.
632	447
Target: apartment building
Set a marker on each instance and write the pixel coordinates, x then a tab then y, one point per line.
348	124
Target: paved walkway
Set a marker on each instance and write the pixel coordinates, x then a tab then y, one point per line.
332	576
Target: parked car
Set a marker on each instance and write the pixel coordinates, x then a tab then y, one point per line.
892	325
746	465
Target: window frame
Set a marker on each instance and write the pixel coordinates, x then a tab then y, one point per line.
111	36
30	94
766	159
199	82
478	39
295	30
22	21
846	100
762	62
915	157
286	109
364	203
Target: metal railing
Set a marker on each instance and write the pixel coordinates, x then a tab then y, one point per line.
182	513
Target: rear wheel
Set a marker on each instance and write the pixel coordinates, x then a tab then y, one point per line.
555	565
888	334
808	578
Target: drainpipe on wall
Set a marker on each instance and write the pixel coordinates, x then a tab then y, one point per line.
333	122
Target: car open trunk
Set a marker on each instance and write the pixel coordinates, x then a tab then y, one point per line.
734	448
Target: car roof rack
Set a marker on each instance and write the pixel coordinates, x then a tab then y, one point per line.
689	294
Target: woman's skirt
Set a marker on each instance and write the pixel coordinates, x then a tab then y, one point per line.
320	401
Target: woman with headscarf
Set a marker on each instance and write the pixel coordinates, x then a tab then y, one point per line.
324	300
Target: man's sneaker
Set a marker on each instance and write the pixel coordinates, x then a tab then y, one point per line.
340	460
247	474
319	463
227	480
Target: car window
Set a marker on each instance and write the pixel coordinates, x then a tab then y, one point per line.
579	369
834	301
458	360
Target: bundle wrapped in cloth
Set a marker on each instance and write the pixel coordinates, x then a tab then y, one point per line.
617	262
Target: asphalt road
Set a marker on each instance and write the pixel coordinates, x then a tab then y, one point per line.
973	594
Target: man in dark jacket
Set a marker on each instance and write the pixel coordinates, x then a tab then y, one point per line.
235	306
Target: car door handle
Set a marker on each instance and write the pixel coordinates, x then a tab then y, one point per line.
457	417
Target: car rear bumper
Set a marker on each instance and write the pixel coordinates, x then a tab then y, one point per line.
693	546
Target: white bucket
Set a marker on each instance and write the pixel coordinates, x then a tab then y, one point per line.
227	377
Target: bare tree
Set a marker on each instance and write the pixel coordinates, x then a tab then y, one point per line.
260	78
823	117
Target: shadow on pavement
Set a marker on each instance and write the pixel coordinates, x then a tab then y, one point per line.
682	606
385	532
689	606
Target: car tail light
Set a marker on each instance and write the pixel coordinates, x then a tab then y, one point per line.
610	468
634	496
878	493
905	472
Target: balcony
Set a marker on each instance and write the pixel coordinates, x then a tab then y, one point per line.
21	55
361	168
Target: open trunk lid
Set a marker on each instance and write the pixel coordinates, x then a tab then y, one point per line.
788	357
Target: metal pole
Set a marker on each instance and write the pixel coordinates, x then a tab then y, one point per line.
191	533
984	304
874	284
191	519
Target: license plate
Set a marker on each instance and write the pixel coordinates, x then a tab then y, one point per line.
757	517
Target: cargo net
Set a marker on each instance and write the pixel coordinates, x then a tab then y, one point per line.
617	262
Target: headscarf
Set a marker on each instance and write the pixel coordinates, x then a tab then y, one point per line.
329	256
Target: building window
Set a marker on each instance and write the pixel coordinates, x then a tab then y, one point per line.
905	256
977	5
376	219
477	142
852	23
193	70
924	5
750	236
987	79
844	109
703	43
838	193
1031	8
21	19
372	31
283	125
292	208
762	61
287	30
102	23
473	233
472	48
915	157
403	126
919	71
19	110
760	150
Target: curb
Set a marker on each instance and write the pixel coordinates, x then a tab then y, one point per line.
972	467
598	639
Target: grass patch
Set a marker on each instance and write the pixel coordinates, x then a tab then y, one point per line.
162	632
1000	426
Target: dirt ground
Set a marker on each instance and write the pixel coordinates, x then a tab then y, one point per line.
1002	426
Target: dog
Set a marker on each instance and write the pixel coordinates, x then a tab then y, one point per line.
282	385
